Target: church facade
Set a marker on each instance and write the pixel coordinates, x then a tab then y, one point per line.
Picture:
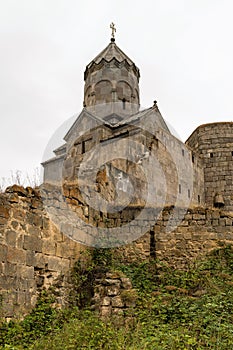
120	155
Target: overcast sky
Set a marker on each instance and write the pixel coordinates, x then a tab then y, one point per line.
183	48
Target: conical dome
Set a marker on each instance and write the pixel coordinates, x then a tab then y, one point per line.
111	79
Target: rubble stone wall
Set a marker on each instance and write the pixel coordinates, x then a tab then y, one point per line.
196	232
34	254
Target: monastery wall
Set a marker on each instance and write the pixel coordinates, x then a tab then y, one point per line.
35	255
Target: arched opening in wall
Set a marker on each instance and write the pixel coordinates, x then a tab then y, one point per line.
198	199
211	154
87	97
179	188
218	200
103	92
124	91
152	245
123	103
193	158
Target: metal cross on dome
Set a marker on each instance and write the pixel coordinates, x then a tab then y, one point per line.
112	26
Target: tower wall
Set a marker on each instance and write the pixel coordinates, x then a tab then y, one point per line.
214	144
112	84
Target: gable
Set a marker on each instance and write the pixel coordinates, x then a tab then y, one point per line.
84	122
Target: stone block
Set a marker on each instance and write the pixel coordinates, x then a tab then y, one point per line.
200	222
215	222
48	247
25	272
68	228
3	221
197	236
58	264
10	269
16	256
63	250
117	302
32	243
112	290
13	198
31	284
45	223
8	283
20	298
187	235
19	241
215	215
34	231
4	212
188	216
113	281
229	222
105	311
41	261
222	222
185	223
20	190
11	237
57	235
36	204
126	283
34	219
30	258
7	309
106	301
3	252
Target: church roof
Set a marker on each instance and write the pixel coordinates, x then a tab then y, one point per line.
151	112
112	51
148	112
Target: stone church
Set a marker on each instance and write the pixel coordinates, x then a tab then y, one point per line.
121	179
120	155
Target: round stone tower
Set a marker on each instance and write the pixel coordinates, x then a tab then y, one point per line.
111	84
213	143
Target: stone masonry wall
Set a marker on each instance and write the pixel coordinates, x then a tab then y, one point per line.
198	231
214	144
35	255
114	295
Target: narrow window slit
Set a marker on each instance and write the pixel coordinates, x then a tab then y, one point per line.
152	244
123	103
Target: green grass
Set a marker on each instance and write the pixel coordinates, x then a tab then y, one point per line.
175	310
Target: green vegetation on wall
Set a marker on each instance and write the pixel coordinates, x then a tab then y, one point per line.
175	309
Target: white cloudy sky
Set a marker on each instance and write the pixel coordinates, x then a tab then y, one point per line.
184	50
